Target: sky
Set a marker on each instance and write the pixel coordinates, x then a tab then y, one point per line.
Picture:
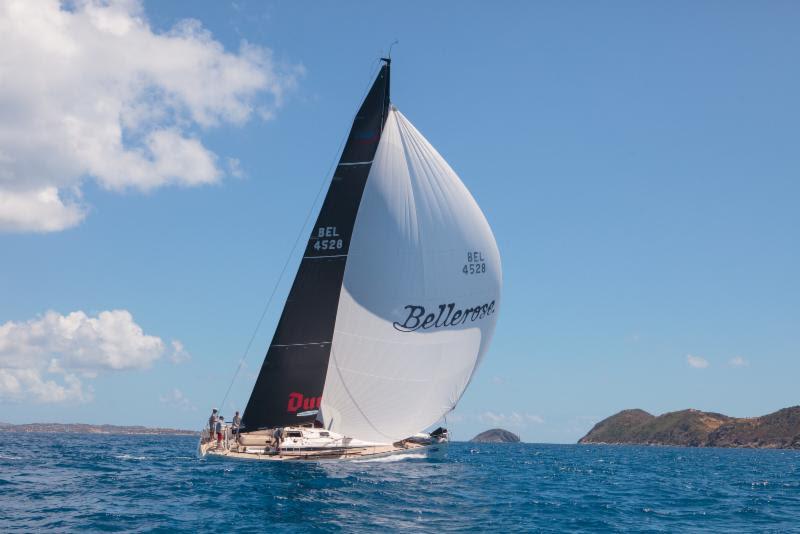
638	163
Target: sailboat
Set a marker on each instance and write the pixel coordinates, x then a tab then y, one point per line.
393	306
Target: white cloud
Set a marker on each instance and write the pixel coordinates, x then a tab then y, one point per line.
46	358
18	384
177	399
512	419
179	354
738	361
39	210
235	168
90	91
498	380
697	362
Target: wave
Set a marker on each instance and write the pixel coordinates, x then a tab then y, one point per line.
130	457
392	458
103	483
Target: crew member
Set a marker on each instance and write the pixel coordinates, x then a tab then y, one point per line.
237	422
219	428
212	425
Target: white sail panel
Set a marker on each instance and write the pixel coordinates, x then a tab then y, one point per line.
420	297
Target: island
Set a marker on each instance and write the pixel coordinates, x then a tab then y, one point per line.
695	428
496	435
82	428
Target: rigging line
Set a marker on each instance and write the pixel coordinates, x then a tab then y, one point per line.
325	181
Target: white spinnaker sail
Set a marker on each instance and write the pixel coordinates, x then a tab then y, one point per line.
420	241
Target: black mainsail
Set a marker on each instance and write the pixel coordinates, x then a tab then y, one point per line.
289	387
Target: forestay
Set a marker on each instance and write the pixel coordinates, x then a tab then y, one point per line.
420	295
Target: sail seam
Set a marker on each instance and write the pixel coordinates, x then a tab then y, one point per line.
355	163
352	398
333	256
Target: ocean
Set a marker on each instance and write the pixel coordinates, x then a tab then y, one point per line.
67	482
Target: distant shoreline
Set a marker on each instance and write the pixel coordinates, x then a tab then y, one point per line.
83	428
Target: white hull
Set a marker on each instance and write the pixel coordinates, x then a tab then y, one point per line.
302	443
350	454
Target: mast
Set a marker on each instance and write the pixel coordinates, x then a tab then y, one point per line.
288	390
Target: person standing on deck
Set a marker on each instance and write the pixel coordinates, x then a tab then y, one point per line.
219	427
212	425
237	422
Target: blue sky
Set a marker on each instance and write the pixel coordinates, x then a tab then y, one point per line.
638	164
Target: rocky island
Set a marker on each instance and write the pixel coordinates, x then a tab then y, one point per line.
496	435
82	428
694	428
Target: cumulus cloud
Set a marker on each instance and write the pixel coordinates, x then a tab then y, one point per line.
47	358
179	354
738	361
510	419
89	91
19	384
177	399
40	209
697	362
235	168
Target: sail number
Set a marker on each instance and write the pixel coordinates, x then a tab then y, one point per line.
323	242
475	263
328	244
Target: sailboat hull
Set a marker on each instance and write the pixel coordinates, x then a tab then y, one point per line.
209	450
308	443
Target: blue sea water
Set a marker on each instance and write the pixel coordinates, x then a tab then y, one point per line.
155	483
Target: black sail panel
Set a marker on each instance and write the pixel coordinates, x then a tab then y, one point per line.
289	387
